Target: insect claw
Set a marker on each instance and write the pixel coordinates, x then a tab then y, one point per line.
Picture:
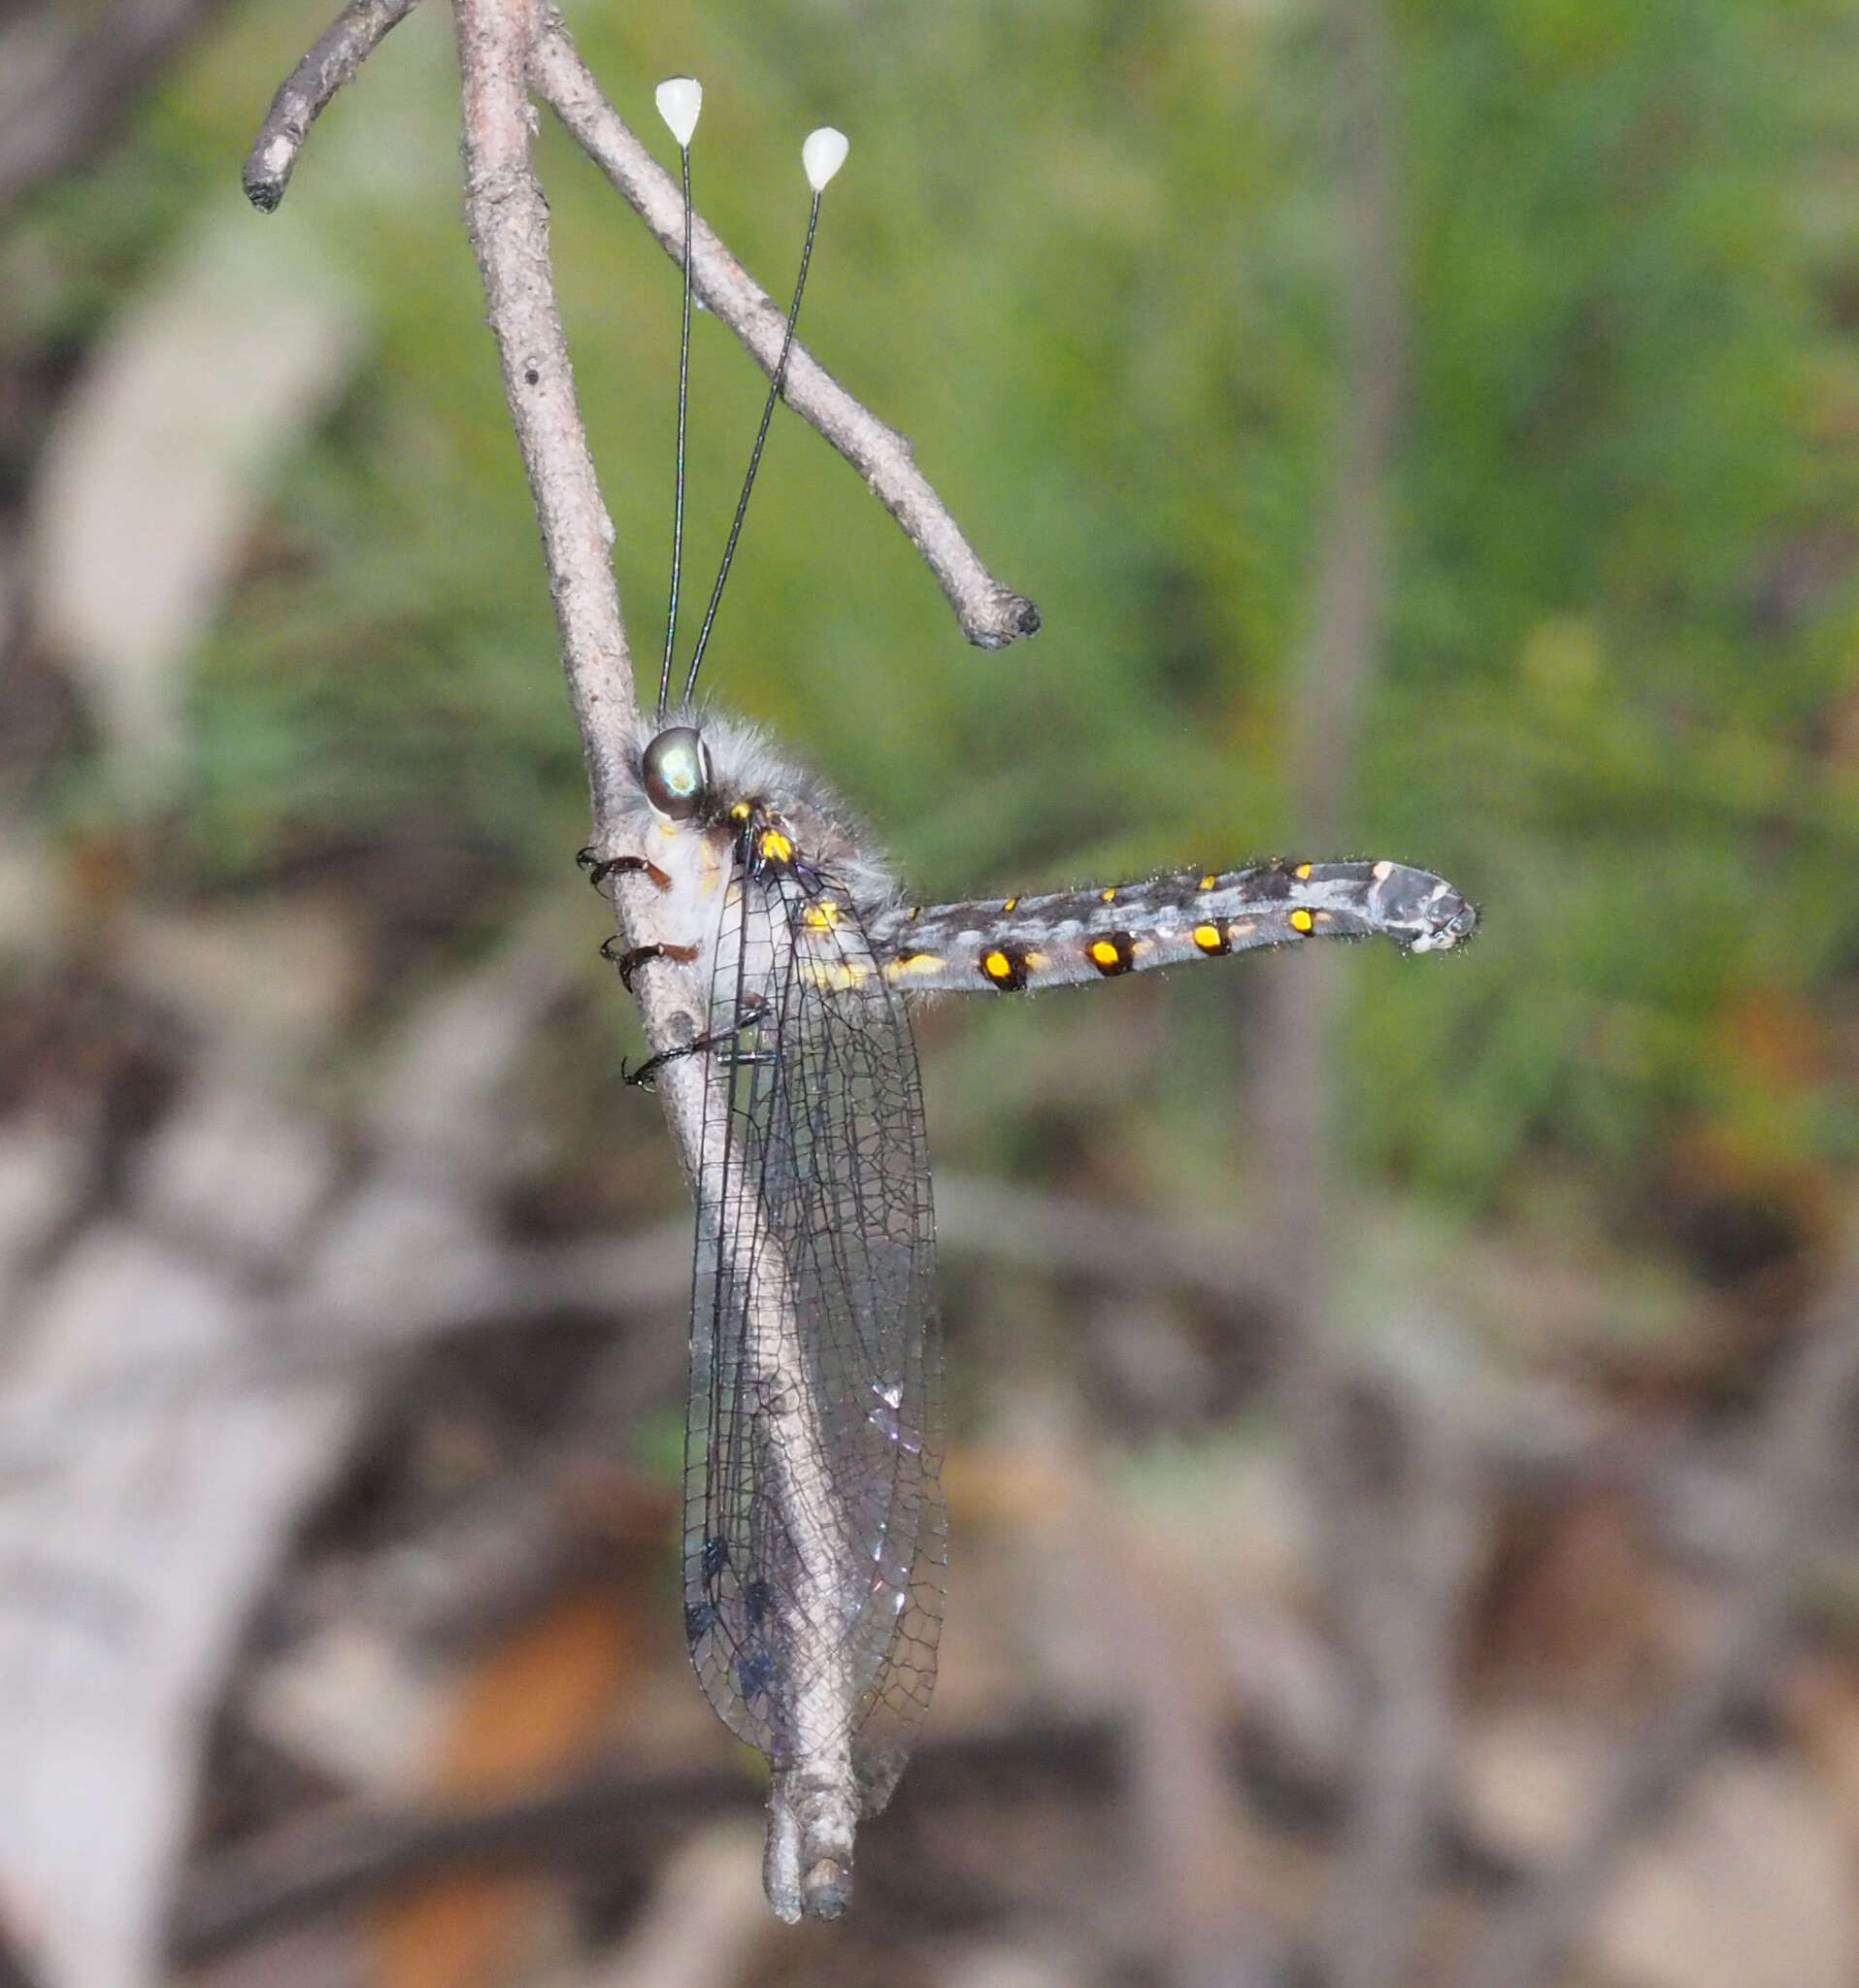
630	962
645	1077
599	868
633	957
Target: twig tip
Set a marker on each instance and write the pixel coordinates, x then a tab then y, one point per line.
267	172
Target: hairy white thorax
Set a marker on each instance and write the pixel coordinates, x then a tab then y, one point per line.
698	853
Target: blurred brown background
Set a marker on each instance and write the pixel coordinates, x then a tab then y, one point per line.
1401	1411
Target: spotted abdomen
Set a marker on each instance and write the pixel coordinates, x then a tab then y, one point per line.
1044	942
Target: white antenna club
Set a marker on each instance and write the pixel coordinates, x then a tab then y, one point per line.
679	100
823	155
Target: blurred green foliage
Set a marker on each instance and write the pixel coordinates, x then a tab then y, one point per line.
1086	255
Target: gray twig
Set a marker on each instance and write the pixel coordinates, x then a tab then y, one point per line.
1410	1528
1799	1445
507	217
1202	1885
813	1801
990	615
334	57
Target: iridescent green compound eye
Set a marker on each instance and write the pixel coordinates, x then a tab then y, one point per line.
677	772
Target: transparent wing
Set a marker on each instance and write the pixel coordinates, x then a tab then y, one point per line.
814	1534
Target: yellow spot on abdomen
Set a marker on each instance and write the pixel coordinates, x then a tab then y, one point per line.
1303	871
1209	938
1207	883
1302	920
1108	896
997	966
1012	904
915	966
1104	953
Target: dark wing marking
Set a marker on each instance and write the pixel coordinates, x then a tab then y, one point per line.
814	1534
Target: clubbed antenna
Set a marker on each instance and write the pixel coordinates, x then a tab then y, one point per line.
681	101
822	156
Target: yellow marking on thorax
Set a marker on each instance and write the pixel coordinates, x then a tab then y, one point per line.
838	975
709	862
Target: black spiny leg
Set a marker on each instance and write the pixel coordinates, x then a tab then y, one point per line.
600	869
633	957
713	1038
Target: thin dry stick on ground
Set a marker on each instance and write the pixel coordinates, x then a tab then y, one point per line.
1398	1543
611	1820
814	1802
168	1471
1805	1421
489	1283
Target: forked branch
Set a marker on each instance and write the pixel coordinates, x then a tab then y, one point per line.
990	615
507	217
